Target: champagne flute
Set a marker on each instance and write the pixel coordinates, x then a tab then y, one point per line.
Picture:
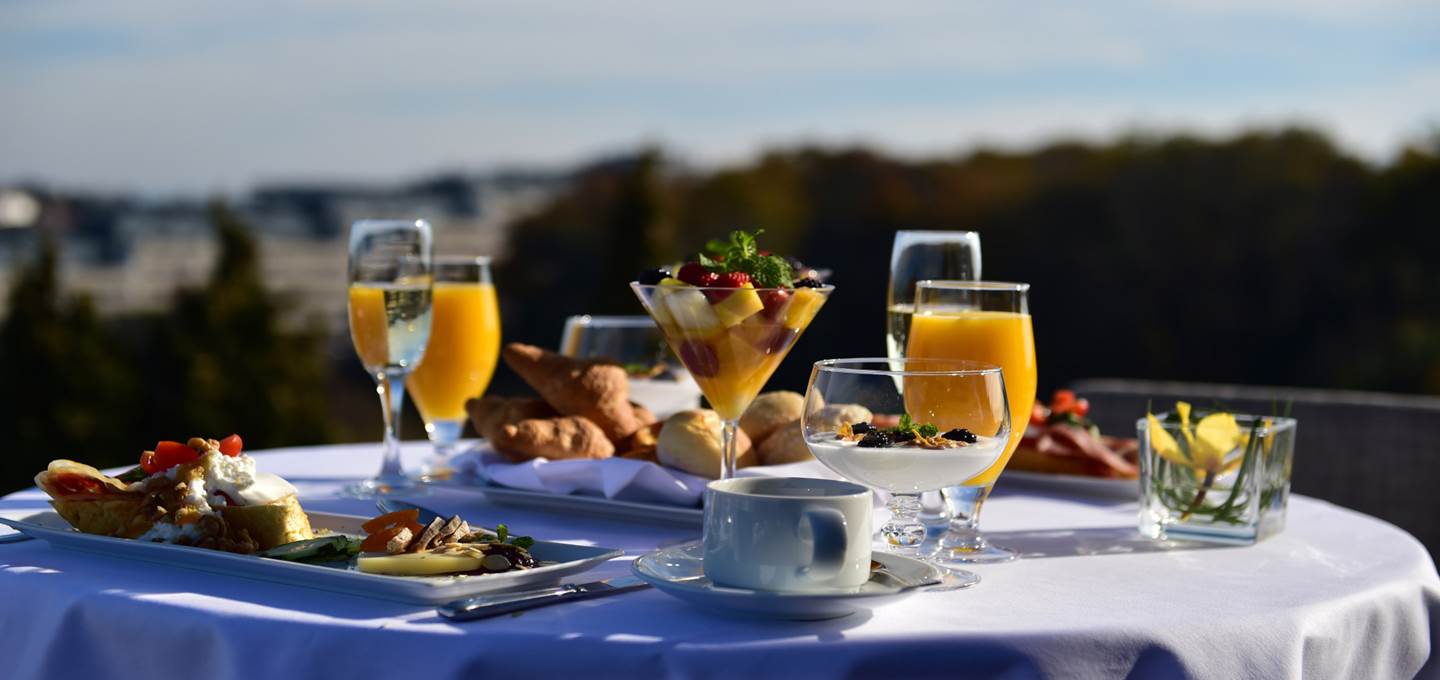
461	355
389	304
985	321
917	256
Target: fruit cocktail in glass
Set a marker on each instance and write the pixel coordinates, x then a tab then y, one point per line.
732	316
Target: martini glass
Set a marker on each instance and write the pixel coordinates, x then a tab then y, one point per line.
731	340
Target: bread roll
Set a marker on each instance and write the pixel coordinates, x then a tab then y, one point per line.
785	445
690	441
555	438
828	419
769	412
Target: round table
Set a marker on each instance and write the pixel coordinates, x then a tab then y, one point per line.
1338	594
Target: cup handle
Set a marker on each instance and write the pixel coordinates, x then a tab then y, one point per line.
827	527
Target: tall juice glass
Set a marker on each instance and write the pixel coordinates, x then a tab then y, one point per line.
983	321
464	348
389	307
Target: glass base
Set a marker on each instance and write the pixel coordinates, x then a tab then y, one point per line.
985	553
954	579
385	488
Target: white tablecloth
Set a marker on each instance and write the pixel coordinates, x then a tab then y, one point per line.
1337	595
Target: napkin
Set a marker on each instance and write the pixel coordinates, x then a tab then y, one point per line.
619	479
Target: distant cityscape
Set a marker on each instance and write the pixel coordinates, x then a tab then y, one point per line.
131	254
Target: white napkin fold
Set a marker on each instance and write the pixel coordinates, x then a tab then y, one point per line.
614	478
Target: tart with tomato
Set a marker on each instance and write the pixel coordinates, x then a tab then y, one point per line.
204	492
1061	439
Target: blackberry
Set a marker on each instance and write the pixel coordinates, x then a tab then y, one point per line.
876	439
808	283
960	434
860	428
653	277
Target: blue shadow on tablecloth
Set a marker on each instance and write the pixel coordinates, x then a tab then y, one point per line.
1091	541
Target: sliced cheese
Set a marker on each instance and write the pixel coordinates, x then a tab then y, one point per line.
416	564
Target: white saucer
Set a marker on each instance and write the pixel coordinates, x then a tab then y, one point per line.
679	571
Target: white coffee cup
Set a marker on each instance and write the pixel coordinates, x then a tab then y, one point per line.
787	534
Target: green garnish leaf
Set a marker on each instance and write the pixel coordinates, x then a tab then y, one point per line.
132	475
906	423
501	532
927	430
522	542
741	254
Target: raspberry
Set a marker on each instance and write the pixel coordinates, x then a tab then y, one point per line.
694	274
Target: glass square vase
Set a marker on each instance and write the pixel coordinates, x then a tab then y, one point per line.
1243	501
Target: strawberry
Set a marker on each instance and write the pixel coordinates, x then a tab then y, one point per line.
695	274
726	280
775	301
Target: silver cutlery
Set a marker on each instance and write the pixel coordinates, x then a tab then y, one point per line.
487	606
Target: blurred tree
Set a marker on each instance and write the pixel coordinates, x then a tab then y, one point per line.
69	388
221	362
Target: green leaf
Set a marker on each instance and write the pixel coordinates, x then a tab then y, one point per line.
927	430
501	532
522	542
906	423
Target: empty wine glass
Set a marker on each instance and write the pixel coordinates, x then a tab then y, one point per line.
390	292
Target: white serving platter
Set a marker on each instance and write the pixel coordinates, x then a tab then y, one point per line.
590	506
1100	487
562	559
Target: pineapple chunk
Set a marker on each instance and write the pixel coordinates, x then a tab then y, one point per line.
691	312
658	309
803	307
416	564
739	306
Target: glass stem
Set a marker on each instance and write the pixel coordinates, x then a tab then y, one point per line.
391	388
904	532
727	450
964	504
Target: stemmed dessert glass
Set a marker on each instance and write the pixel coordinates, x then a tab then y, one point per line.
731	340
985	321
462	352
391	285
907	426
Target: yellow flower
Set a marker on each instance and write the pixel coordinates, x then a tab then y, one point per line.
1216	437
1183	408
1163	443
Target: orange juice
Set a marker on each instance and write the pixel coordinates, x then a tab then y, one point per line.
389	324
1006	339
464	346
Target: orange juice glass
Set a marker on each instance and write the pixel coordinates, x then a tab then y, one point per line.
463	350
986	321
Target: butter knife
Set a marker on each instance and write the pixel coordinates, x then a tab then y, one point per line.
486	606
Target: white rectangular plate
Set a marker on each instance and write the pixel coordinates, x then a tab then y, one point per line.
592	506
565	559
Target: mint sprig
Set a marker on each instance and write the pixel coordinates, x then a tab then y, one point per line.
741	254
908	424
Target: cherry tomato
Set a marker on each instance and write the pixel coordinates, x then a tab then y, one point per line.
170	454
1082	407
147	462
1063	401
232	445
1038	414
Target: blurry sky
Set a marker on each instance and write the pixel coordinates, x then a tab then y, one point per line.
168	96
